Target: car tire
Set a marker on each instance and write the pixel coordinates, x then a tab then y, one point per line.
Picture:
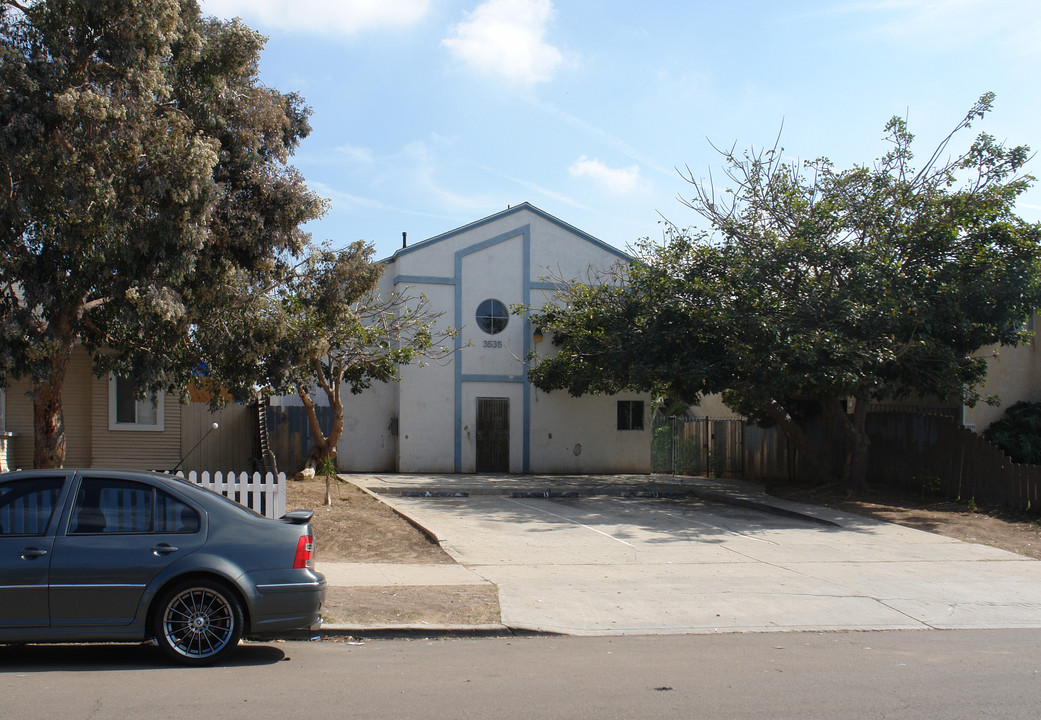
198	621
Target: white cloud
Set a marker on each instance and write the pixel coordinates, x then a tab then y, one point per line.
616	180
321	16
423	172
506	38
351	154
950	24
534	187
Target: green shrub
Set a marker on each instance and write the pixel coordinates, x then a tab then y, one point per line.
1018	433
326	467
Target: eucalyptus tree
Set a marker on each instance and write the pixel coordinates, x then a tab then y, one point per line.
817	289
145	193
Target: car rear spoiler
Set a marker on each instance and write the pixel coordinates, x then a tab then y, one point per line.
298	517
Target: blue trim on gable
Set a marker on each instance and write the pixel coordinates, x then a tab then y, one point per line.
526	401
494	378
423	280
524	232
506	213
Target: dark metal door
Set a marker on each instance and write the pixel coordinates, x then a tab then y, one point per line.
493	435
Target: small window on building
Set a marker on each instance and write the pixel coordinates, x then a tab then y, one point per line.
126	411
630	414
492	316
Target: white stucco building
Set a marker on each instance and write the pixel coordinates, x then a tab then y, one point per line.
477	411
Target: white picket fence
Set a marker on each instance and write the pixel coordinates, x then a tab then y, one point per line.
266	494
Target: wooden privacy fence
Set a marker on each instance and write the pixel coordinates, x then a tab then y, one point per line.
290	434
230	446
932	453
923	453
264	494
698	446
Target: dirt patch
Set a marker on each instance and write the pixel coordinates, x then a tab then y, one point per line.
358	528
987	526
413	605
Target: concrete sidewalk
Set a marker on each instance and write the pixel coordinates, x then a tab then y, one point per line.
599	555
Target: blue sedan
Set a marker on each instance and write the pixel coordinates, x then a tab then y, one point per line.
93	555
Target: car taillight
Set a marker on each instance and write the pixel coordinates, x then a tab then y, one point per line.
304	553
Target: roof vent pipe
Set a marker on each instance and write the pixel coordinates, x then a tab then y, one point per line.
404	240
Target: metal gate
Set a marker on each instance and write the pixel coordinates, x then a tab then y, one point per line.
493	435
698	446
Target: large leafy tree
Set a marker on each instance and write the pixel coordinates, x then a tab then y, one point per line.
817	290
145	194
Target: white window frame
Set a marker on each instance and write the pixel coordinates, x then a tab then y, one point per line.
113	424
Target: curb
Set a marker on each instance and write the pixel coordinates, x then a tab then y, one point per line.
761	505
414	631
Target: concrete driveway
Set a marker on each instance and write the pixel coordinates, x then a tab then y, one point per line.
602	556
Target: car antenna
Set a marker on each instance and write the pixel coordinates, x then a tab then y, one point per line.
213	427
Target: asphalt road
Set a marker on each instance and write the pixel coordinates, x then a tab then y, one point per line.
969	674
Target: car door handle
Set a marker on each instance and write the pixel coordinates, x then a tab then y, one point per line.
163	549
31	552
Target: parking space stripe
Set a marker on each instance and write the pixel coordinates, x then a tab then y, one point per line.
573	522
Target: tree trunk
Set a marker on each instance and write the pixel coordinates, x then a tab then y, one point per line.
854	475
317	451
322	446
48	415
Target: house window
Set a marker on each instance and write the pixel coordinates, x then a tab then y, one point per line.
3	411
630	414
127	412
492	316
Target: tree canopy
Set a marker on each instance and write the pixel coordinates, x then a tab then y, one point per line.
145	193
816	288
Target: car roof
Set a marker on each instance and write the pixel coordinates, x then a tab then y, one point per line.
174	482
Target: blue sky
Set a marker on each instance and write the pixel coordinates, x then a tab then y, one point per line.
430	114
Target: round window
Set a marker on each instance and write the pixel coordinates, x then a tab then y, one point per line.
492	316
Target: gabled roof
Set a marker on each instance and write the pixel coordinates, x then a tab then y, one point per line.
512	210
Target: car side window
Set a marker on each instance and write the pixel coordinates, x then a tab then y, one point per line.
109	506
27	506
174	516
105	505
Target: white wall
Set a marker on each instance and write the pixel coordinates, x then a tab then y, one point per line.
1013	374
581	435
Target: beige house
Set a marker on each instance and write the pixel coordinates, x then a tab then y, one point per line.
1013	374
106	427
